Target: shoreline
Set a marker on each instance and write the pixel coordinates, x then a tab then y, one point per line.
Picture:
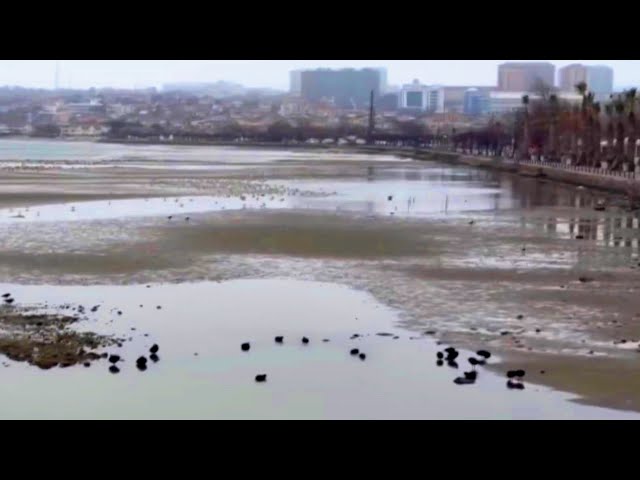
589	178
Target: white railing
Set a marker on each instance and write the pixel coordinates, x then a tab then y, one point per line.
582	169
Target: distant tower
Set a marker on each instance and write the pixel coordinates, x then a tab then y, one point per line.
56	84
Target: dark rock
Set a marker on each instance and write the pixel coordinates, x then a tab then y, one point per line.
504	333
119	312
430	332
579	237
585	279
520	317
261	378
326	340
159	307
383	334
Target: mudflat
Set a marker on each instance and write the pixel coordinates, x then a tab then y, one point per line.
522	266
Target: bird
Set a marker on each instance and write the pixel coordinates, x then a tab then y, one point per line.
170	217
483	354
511	385
511	374
245	347
305	340
471	375
354	351
474	362
452	364
279	339
390	197
520	373
452	356
114	369
9	300
6	295
154	348
187	219
362	356
114	359
440	355
142	366
154	358
463	381
439	363
261	378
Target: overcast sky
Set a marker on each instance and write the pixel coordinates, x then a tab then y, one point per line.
262	73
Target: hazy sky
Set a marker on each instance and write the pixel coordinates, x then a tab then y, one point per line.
262	73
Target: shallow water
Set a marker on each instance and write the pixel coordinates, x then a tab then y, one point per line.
88	153
399	378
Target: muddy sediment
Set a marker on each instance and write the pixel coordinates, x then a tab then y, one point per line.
47	340
468	275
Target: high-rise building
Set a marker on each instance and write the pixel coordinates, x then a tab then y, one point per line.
422	97
599	79
347	88
523	77
414	96
476	102
296	82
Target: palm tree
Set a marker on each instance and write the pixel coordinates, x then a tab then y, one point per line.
553	127
610	132
630	97
526	134
619	107
597	133
581	88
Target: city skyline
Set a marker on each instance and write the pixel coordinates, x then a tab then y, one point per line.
84	74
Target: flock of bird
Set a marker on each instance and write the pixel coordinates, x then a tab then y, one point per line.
141	362
261	378
450	356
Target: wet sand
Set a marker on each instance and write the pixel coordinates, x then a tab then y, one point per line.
451	249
